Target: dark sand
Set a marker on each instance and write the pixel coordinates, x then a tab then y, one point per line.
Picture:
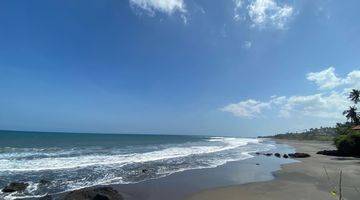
298	181
258	178
180	185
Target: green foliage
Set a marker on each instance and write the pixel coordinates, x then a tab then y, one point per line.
323	134
343	129
347	140
355	96
351	113
348	144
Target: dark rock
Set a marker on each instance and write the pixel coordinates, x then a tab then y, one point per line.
298	155
97	193
100	197
144	170
285	156
277	155
257	164
44	182
257	153
329	153
15	187
337	153
268	154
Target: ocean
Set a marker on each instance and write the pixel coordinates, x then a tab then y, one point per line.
76	160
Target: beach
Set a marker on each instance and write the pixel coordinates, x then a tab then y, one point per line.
182	184
138	166
255	177
302	180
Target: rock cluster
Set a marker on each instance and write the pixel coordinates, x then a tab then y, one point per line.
291	155
298	155
97	193
15	187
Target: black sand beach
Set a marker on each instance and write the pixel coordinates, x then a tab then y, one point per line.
183	184
307	179
258	178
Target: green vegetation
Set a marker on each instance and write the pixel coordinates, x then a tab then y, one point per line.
348	144
347	140
355	96
322	133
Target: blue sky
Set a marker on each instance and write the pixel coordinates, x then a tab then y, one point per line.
242	67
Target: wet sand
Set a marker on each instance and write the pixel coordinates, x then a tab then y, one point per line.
312	178
180	185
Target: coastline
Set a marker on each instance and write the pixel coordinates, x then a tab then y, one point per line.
180	185
258	178
311	178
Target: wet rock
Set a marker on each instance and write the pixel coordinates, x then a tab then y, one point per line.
285	156
100	197
257	153
268	154
329	153
97	193
257	164
298	155
44	182
277	155
15	187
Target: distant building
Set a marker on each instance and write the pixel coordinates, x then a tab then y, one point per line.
357	128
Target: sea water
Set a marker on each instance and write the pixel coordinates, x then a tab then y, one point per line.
76	160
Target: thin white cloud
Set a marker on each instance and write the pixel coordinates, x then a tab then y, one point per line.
247	44
277	100
327	105
353	79
316	105
326	79
263	13
246	109
237	9
164	6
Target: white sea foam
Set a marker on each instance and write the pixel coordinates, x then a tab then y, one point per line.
173	158
80	161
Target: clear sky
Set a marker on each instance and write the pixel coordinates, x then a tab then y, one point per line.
243	67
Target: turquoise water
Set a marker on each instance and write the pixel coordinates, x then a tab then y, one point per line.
75	160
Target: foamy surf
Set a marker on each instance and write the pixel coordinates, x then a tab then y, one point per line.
7	163
78	167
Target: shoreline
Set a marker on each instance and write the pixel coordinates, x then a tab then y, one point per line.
311	178
258	178
180	185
